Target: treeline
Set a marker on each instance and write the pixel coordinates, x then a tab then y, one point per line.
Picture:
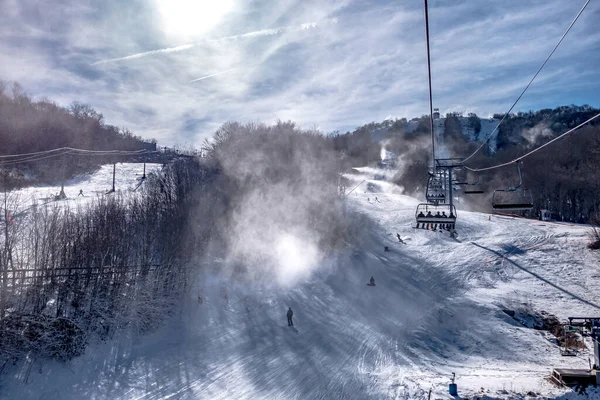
562	177
28	126
523	128
68	276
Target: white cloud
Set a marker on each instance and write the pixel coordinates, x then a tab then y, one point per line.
356	64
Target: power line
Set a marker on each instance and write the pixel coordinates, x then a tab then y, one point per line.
529	84
74	150
534	150
32	158
69	150
31	154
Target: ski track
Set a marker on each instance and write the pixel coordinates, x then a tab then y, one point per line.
436	309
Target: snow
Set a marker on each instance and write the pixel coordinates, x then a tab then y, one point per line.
436	309
127	178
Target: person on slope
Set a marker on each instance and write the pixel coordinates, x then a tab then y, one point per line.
290	314
372	281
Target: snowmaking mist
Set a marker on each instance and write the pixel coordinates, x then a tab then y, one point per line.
280	187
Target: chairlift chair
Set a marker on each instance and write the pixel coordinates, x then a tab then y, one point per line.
436	188
427	213
514	198
473	188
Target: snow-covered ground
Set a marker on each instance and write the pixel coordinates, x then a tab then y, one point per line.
127	179
436	309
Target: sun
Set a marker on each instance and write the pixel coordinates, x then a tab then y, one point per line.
189	18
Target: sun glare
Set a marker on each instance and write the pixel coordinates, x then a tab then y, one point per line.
188	18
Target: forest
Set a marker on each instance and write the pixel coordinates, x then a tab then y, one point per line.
562	177
29	126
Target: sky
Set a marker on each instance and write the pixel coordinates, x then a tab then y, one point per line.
175	70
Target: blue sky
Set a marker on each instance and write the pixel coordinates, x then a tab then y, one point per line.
333	64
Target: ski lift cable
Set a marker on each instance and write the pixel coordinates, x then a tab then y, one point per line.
125	153
71	149
31	154
529	84
68	150
38	158
430	90
534	150
31	159
108	151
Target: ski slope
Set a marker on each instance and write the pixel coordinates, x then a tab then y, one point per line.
436	309
127	179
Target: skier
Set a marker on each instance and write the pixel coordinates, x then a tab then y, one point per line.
399	238
290	314
372	281
80	192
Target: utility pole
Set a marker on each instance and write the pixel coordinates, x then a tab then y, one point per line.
450	187
62	194
114	173
4	259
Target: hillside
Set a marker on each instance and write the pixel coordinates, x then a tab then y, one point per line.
29	126
437	309
562	178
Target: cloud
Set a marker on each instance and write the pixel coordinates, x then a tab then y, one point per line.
358	63
248	35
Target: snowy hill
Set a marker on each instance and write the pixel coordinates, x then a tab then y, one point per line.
127	179
436	309
487	126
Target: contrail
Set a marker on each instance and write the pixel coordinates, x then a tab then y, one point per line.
215	74
262	32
